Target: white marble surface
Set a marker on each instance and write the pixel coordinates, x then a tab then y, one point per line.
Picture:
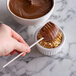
36	64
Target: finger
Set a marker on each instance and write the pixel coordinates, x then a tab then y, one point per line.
7	55
20	47
17	36
20	39
22	54
13	53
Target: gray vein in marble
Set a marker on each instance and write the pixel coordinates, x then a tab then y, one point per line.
63	5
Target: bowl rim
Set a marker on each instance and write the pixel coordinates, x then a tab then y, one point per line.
27	18
63	40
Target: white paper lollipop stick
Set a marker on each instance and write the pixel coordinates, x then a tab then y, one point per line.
21	53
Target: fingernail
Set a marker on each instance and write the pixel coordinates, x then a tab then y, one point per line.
28	49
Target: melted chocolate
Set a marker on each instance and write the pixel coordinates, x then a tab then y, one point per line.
50	31
36	9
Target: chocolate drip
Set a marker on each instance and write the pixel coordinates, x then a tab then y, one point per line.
49	31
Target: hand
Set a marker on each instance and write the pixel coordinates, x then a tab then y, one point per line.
11	42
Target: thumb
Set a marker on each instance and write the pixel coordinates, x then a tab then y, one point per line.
20	47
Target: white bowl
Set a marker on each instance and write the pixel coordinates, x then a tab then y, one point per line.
27	22
49	51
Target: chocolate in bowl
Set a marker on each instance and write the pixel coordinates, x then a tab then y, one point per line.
51	34
50	51
23	9
50	44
